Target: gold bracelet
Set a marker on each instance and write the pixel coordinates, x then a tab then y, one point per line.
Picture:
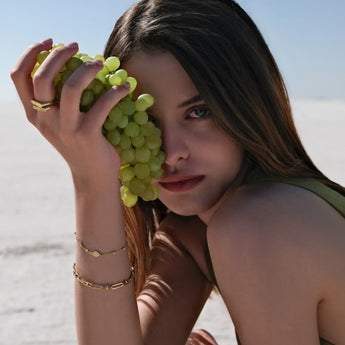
96	253
114	286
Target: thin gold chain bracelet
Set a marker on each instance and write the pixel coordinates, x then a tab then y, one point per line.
114	286
96	253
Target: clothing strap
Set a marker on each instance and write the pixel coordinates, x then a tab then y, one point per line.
335	199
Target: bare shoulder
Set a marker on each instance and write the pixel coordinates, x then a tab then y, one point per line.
288	217
272	246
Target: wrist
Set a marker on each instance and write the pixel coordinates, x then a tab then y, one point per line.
92	183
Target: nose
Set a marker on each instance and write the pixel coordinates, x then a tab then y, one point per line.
175	146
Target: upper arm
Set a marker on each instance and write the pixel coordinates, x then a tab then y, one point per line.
265	278
174	293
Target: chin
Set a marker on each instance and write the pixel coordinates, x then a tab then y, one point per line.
187	207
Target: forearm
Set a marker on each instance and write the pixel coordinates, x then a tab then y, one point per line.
109	317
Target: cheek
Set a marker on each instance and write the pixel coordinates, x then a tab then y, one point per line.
217	146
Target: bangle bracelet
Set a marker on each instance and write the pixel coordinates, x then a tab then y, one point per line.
114	286
96	253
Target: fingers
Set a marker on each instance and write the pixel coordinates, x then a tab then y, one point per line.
41	88
21	74
73	88
98	113
43	80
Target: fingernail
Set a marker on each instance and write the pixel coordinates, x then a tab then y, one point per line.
48	40
98	62
127	85
72	45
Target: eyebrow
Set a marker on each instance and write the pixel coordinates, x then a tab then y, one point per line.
192	100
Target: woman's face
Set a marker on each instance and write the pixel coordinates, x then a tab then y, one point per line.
202	160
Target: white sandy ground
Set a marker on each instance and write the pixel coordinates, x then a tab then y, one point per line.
37	225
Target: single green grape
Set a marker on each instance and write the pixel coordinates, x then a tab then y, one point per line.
150	193
147	129
127	106
73	63
127	156
140	117
155	163
142	170
138	141
125	141
147	98
115	114
132	129
113	63
87	98
96	86
109	125
122	74
137	186
153	142
42	56
123	122
142	154
129	199
113	137
127	173
133	83
140	105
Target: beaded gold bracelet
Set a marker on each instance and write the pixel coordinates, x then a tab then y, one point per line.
96	253
114	286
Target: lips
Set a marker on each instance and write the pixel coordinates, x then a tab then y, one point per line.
181	183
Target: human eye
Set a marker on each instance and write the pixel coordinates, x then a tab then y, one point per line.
200	112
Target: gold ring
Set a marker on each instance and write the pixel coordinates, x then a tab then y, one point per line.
42	106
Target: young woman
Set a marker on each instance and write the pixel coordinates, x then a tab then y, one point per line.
241	205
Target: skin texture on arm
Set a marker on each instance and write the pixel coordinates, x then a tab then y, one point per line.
109	317
268	246
112	314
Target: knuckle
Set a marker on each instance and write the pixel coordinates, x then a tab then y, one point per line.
17	73
14	73
39	78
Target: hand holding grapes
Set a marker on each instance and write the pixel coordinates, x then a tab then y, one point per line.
86	113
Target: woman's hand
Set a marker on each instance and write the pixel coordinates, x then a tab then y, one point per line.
76	135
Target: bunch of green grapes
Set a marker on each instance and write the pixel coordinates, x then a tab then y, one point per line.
127	126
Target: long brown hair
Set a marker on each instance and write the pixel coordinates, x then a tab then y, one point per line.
226	57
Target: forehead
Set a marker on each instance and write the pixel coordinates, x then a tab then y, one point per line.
161	75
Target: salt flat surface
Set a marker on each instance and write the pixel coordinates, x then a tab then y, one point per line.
37	225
